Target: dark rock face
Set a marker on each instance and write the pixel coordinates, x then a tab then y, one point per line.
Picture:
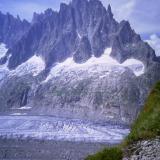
127	44
83	52
12	29
16	94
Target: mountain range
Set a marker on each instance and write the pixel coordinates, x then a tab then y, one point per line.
78	62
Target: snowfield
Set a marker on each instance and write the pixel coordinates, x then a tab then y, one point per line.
34	66
51	128
105	62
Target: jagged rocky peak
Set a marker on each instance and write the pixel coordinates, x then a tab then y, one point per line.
40	17
109	10
12	29
60	34
127	44
56	36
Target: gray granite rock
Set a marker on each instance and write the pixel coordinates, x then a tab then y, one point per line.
145	150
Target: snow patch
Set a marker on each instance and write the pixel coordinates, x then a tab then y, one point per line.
34	66
24	108
135	65
79	36
3	50
154	42
18	114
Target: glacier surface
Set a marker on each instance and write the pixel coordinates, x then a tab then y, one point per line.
51	128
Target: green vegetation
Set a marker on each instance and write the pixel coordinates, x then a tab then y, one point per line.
146	126
114	153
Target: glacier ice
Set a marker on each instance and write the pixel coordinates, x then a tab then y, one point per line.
44	127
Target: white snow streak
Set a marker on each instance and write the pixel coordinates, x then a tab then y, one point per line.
18	114
24	108
3	50
3	68
79	36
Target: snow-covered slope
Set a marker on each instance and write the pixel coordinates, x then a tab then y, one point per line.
105	62
33	66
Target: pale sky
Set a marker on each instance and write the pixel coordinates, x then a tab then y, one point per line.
144	15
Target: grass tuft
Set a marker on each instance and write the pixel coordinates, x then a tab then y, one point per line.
114	153
147	124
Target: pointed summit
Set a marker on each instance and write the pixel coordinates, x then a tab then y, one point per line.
109	10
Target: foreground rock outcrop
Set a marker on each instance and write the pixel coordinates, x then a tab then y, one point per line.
144	150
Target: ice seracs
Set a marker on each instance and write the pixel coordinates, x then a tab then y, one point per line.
94	64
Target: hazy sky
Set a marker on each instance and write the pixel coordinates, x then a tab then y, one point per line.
144	15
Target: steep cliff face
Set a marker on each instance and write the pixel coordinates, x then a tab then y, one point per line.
79	62
11	29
